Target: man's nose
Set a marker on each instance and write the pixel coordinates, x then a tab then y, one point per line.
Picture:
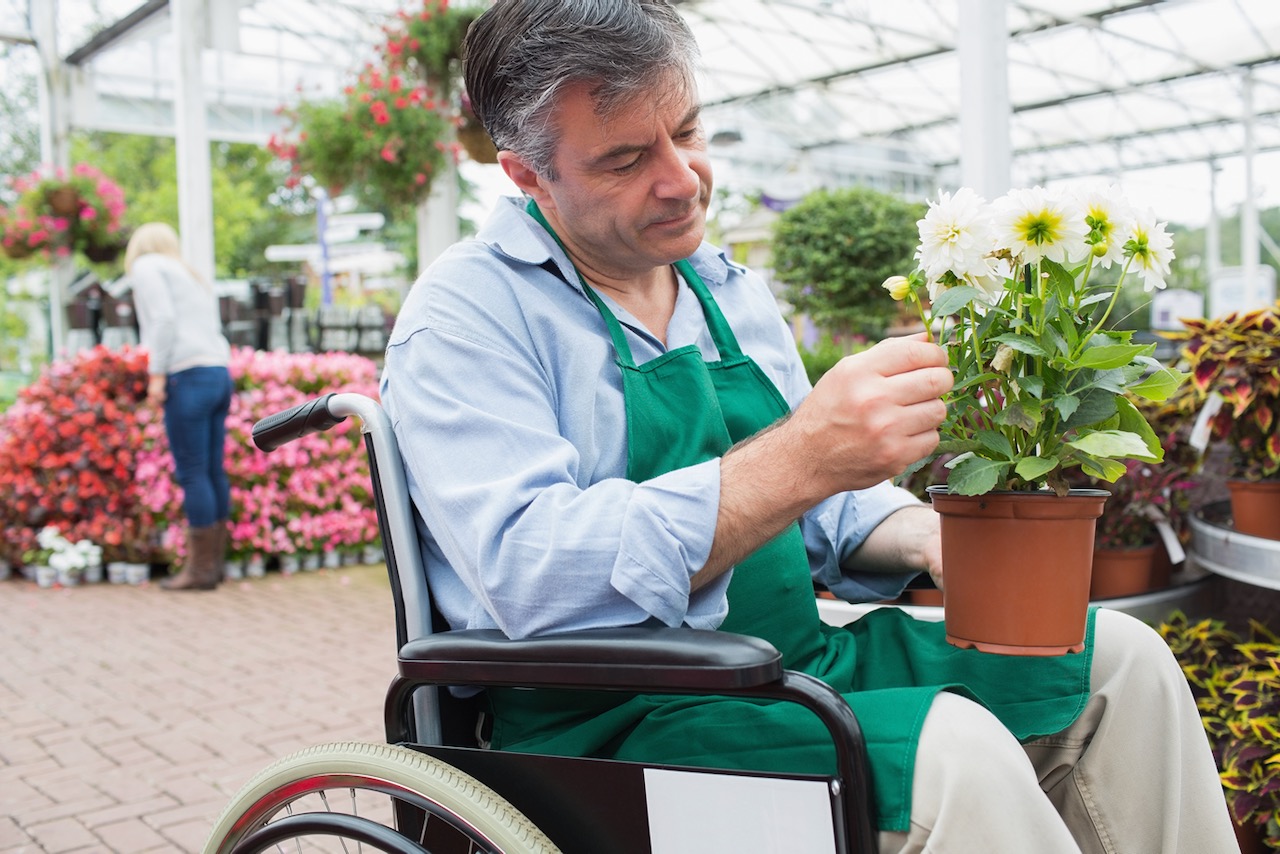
676	178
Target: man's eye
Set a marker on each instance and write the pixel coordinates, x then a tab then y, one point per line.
627	167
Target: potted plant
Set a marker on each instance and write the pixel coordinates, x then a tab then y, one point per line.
24	232
1020	292
60	212
1143	529
1130	553
1235	365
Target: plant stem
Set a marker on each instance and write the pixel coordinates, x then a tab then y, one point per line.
1115	295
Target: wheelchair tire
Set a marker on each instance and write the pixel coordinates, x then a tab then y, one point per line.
480	818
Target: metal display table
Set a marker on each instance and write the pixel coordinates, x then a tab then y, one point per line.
1224	551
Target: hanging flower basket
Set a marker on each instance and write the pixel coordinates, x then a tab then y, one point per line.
16	249
63	200
104	253
60	212
475	141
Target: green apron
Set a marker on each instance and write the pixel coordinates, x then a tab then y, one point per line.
682	411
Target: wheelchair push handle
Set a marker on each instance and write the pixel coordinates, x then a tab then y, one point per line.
305	418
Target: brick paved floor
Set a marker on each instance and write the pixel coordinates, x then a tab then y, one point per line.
129	716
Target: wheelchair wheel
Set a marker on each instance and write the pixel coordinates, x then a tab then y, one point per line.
451	811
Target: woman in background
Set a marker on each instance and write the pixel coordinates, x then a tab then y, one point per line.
181	329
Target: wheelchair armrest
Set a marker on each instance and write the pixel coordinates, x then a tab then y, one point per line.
631	658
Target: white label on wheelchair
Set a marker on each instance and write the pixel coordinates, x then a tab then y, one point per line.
693	812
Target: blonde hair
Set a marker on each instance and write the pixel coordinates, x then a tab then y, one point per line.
156	238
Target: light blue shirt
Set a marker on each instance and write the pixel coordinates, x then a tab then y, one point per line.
507	405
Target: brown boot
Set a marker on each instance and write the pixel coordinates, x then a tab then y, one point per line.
220	542
200	571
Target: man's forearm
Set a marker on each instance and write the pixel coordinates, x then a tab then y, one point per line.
761	493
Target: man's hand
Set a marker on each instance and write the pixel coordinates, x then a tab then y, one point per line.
869	417
156	389
910	538
873	414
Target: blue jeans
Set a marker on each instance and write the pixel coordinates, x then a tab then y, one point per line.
195	418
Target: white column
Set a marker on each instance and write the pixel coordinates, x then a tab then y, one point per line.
438	216
985	147
195	193
1249	208
1213	229
54	151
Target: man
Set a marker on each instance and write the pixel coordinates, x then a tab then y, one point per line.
601	417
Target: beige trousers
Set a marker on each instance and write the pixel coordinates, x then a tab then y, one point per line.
1133	775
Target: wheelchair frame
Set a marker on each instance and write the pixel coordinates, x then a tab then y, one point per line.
563	797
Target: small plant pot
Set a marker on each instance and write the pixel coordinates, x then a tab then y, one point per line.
104	253
1017	568
476	142
46	576
1123	572
255	566
289	564
64	201
17	250
1255	507
117	572
137	574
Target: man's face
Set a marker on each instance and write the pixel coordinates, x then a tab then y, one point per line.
633	187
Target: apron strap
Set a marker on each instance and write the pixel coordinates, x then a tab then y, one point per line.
726	342
721	333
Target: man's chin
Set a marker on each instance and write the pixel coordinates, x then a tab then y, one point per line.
683	236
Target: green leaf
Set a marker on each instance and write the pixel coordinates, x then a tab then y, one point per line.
1160	385
954	299
1059	279
1109	356
1133	421
995	442
974	475
1032	385
1096	405
1067	406
1022	344
1114	444
1102	468
1022	417
1033	469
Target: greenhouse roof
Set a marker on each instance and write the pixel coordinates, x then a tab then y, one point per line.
1156	94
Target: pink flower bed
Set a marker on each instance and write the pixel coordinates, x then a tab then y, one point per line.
80	452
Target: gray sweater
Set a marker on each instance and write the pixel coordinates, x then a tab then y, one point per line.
178	316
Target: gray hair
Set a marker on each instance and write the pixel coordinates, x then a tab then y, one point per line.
521	54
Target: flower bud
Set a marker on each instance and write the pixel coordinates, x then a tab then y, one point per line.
899	287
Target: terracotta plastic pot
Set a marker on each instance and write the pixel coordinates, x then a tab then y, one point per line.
1017	567
1255	507
63	201
1123	572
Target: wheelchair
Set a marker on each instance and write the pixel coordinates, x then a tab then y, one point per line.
435	787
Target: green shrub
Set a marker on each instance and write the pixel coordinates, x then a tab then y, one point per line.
834	250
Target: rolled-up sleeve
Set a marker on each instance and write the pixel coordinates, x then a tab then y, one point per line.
835	529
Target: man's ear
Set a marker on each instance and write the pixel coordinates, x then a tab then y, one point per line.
529	181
